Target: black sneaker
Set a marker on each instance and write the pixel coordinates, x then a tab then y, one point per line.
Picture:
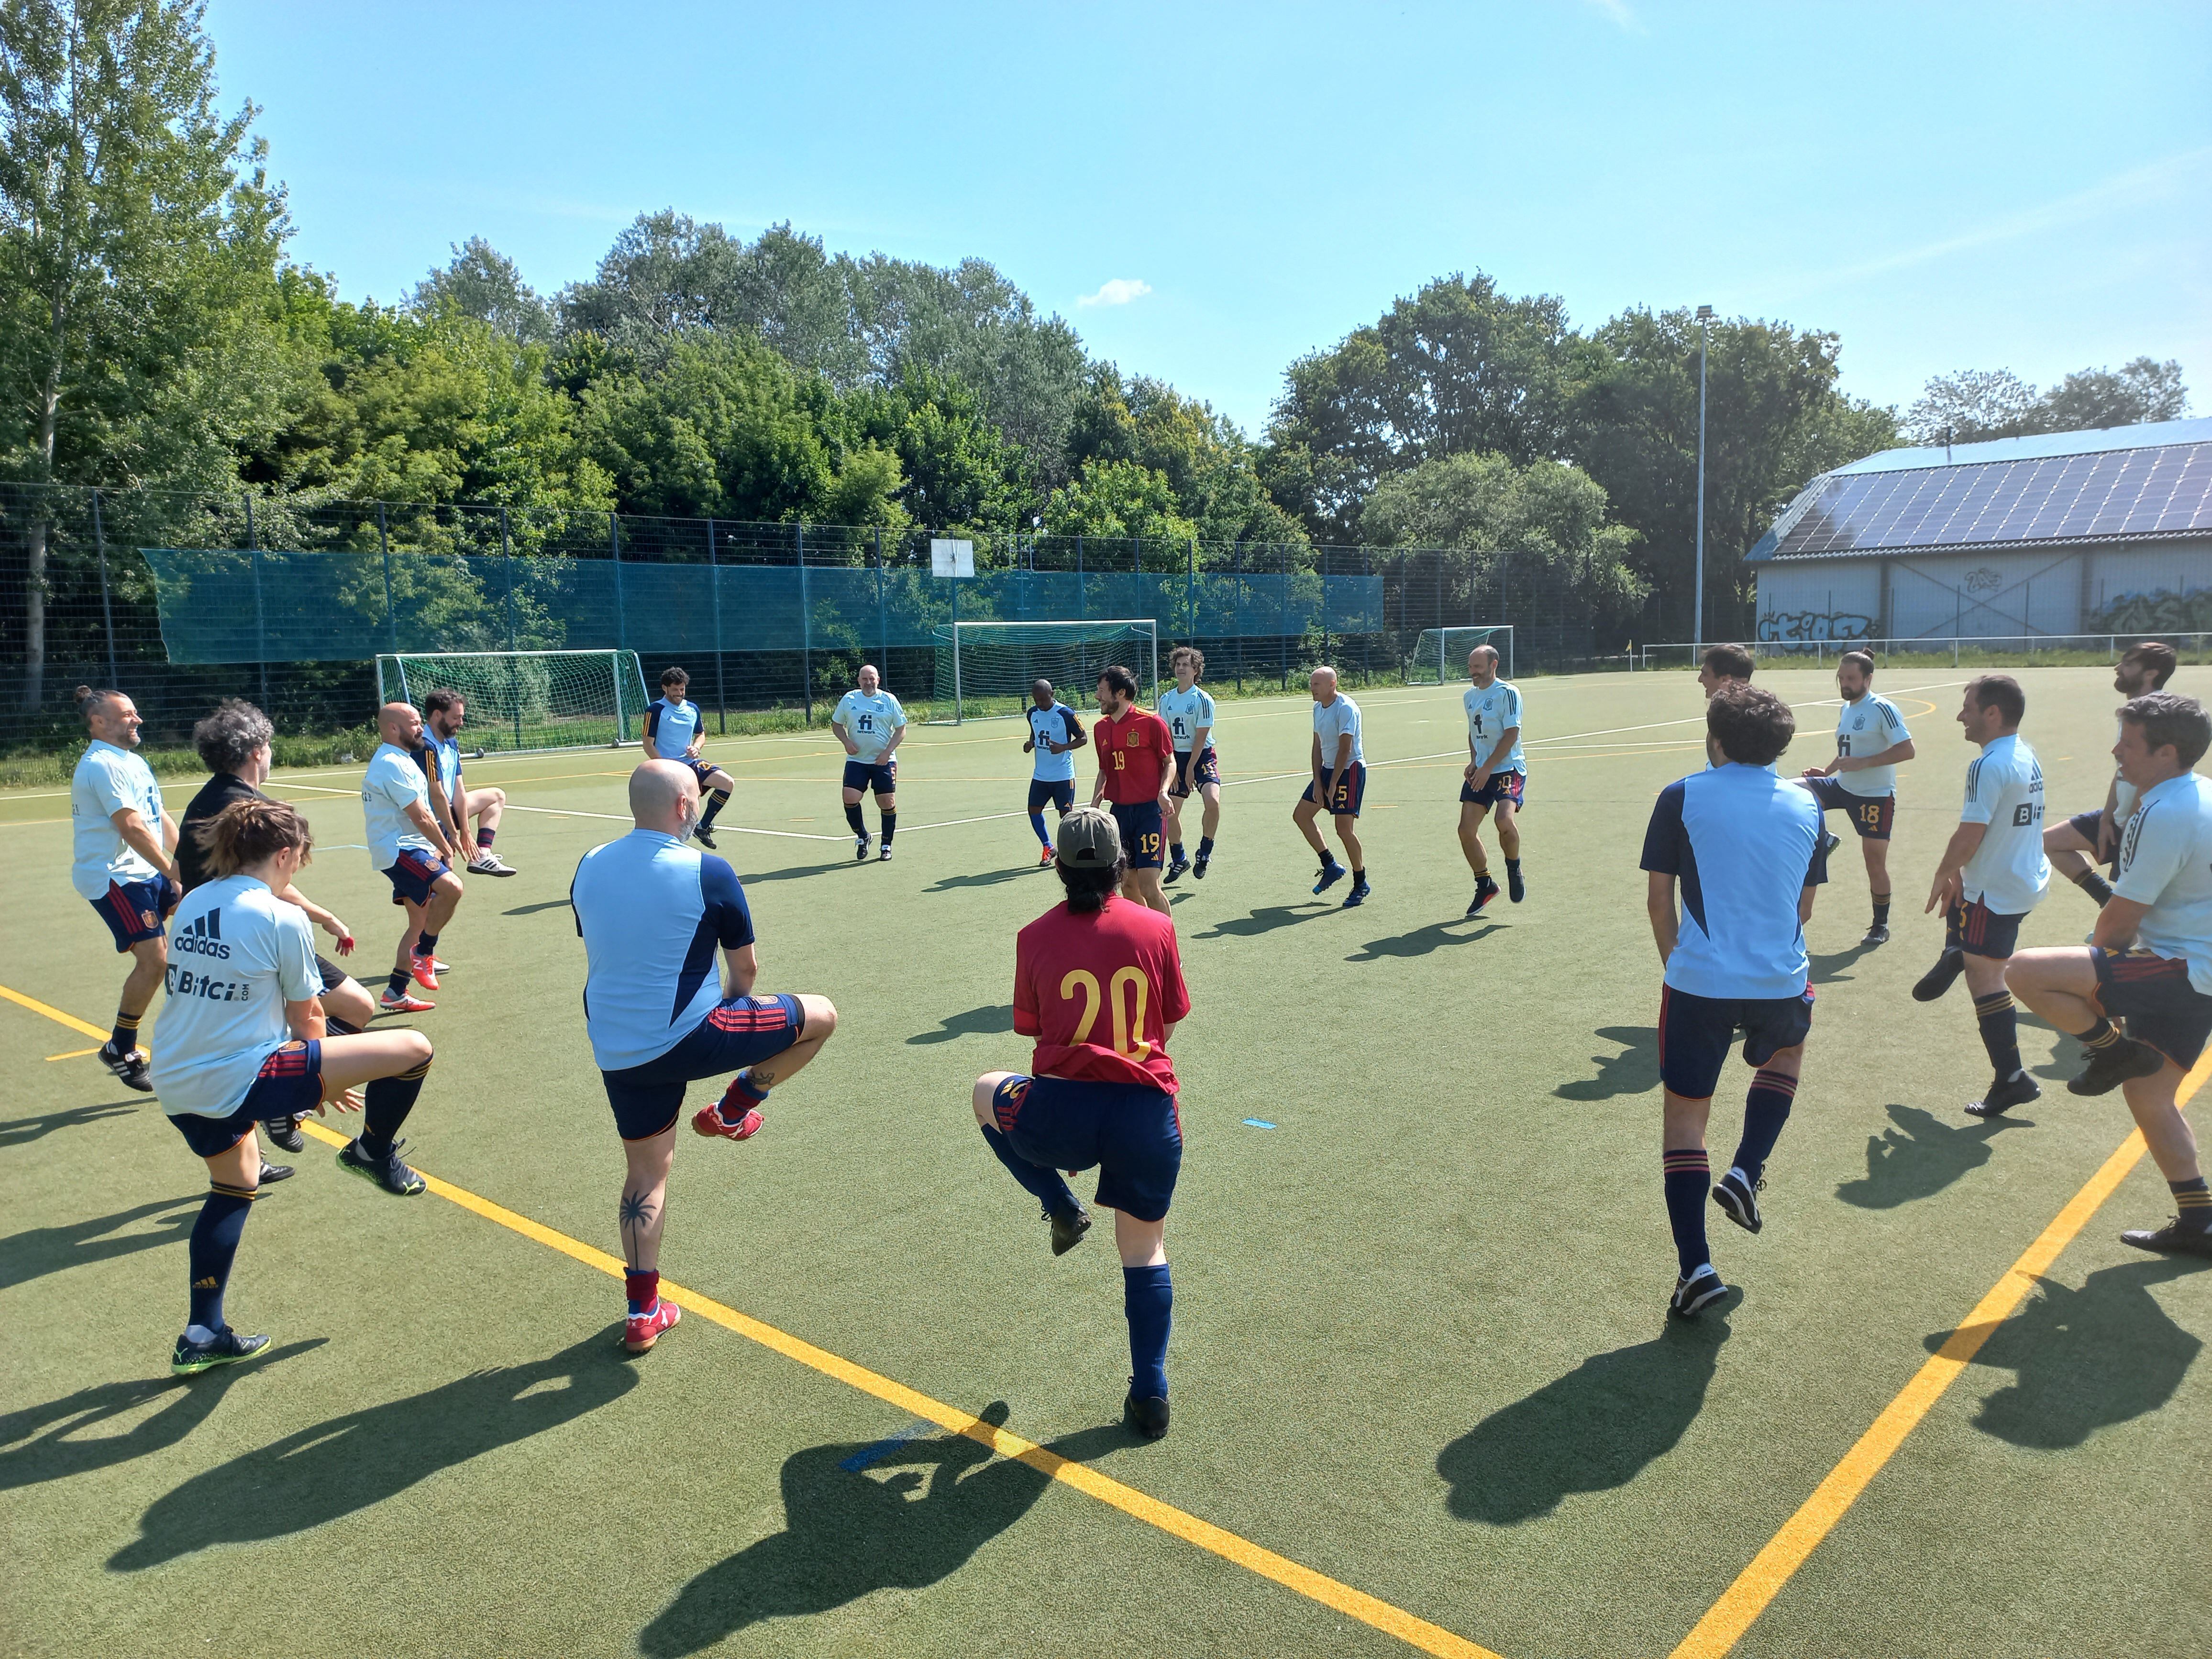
1485	890
1357	896
2110	1067
275	1172
1067	1231
1330	875
129	1069
225	1347
703	833
2004	1093
1696	1293
1739	1201
1198	868
2172	1239
1877	934
1175	870
884	856
1146	1417
285	1134
388	1172
860	848
1516	889
1940	978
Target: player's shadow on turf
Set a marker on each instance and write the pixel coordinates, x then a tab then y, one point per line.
533	909
42	1250
22	1131
1267	921
907	1521
997	1019
1920	1155
1827	970
1633	1071
65	1436
1420	941
982	878
346	1463
2085	1359
1592	1429
794	872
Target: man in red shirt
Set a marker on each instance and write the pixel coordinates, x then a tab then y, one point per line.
1098	983
1136	759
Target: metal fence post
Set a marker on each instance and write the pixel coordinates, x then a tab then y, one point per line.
513	645
260	608
882	611
715	590
1190	592
622	612
107	609
390	618
805	633
1082	587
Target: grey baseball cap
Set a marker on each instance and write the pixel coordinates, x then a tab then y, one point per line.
1089	839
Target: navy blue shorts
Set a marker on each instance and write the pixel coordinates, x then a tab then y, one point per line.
1871	815
1195	775
1981	931
647	1098
1141	840
1347	789
290	1086
135	911
2086	825
701	770
2153	995
1695	1032
877	777
415	875
1044	792
1133	1134
1504	786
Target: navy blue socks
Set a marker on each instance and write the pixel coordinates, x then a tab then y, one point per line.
387	1100
1765	1109
852	818
214	1248
1148	1298
1999	1024
1689	1178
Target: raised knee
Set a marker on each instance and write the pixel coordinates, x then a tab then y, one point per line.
821	1016
419	1051
986	1086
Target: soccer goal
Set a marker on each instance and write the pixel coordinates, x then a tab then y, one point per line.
986	668
1440	654
528	700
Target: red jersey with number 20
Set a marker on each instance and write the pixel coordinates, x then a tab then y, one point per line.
1097	992
1135	754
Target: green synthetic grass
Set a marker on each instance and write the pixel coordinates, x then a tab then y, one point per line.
1419	1343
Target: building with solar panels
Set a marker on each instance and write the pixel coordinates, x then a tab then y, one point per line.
2105	532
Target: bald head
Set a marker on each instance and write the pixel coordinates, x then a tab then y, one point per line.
664	796
398	724
1482	664
1322	683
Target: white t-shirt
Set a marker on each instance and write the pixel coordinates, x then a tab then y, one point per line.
392	782
107	780
869	722
2165	862
1333	721
1492	710
1185	712
237	954
2004	790
1867	727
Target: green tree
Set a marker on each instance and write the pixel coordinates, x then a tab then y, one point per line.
1117	499
1974	404
482	282
1209	465
2135	393
960	473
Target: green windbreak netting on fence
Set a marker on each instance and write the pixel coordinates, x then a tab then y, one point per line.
271	606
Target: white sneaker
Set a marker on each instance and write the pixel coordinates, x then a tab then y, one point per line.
489	864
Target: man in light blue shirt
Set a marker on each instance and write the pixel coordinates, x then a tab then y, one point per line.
123	864
1054	735
1497	775
445	712
675	731
660	1011
1188	708
1339	781
412	850
1737	841
870	725
2150	961
1861	781
1991	875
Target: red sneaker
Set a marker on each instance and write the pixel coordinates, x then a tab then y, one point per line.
641	1331
709	1121
402	1003
425	969
1045	858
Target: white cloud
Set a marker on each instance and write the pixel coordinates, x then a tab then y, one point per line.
1621	16
1117	292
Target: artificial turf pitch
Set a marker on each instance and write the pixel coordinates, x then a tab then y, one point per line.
1419	1343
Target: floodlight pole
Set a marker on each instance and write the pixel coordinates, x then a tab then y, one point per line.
1698	622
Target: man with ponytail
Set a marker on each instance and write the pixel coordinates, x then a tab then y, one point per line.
1098	984
244	1040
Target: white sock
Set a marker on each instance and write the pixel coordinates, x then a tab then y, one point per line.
198	1334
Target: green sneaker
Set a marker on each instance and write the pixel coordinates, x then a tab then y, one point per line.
387	1172
225	1347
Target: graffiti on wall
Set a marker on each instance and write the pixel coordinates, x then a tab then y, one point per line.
2162	612
1795	627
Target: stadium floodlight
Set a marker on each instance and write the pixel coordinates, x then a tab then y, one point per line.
1440	653
1704	331
520	701
986	668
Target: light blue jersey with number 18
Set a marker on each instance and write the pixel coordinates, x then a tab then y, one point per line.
1185	714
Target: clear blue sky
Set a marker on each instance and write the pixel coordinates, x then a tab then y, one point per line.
2015	185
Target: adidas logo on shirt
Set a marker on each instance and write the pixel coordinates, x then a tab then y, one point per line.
203	938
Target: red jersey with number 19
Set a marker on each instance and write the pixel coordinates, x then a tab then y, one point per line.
1135	754
1097	992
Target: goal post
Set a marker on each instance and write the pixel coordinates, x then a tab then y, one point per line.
1440	653
985	669
520	701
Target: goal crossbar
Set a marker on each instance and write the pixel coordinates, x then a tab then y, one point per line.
1075	640
1449	647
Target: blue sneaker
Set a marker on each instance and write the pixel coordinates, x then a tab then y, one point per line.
1331	874
1357	896
225	1347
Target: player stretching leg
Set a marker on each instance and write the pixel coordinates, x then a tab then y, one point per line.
1135	757
444	712
1189	712
676	730
1055	736
870	725
1871	742
1340	780
2078	845
234	741
243	1040
1722	664
2163	901
1496	775
412	850
1993	874
1098	984
1738	841
651	909
123	864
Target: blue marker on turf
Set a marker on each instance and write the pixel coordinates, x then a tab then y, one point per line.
1258	1123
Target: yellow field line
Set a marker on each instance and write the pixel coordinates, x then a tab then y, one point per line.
74	1054
1314	1586
1757	1585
